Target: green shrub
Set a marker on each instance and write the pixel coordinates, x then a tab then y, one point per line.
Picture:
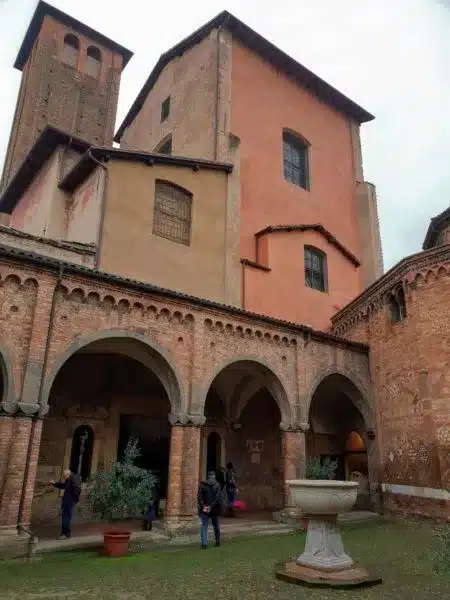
125	491
441	551
318	469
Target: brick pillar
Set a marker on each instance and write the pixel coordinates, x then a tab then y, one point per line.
189	476
6	431
175	463
294	459
15	472
30	477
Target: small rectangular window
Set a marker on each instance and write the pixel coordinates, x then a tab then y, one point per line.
315	269
165	109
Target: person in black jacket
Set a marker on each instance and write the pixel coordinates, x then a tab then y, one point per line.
209	501
72	490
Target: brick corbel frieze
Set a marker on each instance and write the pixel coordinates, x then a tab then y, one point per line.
23	410
186	420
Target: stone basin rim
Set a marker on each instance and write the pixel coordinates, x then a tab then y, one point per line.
323	483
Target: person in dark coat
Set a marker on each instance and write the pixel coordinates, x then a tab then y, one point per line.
72	490
150	516
209	502
230	482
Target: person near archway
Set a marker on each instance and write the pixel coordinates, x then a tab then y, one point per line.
209	501
72	491
230	482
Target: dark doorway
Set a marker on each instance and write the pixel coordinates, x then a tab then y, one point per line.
153	437
213	458
81	453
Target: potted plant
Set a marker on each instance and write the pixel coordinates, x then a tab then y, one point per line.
123	492
319	470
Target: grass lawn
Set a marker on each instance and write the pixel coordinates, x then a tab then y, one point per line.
241	569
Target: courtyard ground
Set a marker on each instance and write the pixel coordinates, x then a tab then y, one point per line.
241	569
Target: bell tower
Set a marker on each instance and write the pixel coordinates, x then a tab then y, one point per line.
70	80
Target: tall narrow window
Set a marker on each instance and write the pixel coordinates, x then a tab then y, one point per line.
165	109
315	269
81	453
397	305
70	50
172	212
295	160
93	62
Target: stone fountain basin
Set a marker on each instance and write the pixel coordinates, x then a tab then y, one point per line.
323	496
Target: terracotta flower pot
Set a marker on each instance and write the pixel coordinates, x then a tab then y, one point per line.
115	543
304	523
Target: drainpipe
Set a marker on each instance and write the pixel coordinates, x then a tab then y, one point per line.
102	209
216	149
41	387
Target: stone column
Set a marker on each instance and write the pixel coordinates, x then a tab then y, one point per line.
15	472
294	461
183	471
191	461
173	508
30	476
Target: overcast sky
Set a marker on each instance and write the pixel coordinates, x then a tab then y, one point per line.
390	56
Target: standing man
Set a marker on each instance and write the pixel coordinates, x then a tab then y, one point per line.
209	501
230	482
72	491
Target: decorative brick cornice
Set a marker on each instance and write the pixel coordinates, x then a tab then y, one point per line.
406	273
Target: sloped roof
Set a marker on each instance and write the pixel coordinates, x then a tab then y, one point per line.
436	225
264	48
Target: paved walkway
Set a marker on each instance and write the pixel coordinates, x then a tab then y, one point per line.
91	535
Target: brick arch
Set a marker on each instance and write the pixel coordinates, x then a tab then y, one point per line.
8	397
159	361
357	393
273	383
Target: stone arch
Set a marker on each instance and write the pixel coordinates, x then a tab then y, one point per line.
158	360
355	389
272	381
7	398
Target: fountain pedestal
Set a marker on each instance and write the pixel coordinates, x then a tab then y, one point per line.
324	561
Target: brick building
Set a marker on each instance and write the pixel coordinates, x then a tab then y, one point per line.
211	287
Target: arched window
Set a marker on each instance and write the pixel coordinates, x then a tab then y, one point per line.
165	146
70	50
81	453
397	305
93	62
316	269
172	213
295	160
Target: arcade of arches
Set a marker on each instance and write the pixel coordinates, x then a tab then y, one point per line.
113	389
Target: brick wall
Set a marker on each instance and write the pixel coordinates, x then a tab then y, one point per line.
54	93
190	81
411	381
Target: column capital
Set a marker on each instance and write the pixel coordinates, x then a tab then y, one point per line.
23	409
295	428
186	420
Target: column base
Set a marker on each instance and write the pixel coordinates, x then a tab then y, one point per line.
181	525
324	549
290	515
16	545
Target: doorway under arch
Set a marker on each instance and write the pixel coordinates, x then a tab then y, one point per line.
243	408
105	393
339	431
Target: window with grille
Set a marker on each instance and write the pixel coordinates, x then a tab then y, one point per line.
172	212
315	269
165	109
295	160
70	50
